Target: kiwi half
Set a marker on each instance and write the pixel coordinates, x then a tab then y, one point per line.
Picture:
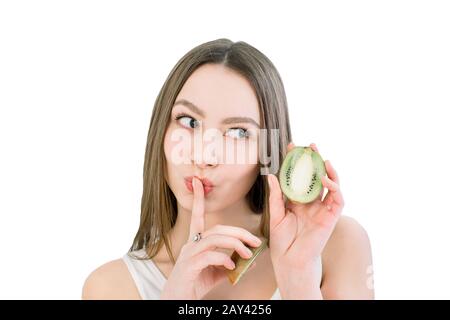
242	264
301	174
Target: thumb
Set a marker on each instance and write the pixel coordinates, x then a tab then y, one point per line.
276	202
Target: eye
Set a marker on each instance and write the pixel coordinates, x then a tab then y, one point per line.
238	133
187	121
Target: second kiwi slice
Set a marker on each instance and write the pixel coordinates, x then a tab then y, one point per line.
242	264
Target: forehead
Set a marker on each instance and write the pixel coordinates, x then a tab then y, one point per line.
220	92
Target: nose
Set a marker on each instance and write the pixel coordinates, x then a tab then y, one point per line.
204	159
205	155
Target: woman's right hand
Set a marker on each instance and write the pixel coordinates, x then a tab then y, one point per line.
199	267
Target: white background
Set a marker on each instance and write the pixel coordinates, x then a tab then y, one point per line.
367	81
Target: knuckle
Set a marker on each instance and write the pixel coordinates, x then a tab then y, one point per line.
230	241
229	232
216	228
236	243
241	230
213	240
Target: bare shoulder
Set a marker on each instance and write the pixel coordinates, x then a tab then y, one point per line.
348	231
347	262
110	281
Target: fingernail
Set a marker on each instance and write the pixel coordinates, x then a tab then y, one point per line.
258	241
249	252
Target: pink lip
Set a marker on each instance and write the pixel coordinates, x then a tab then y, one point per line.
207	185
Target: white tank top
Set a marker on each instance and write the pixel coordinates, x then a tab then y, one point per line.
149	279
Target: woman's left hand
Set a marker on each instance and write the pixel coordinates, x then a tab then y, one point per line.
299	233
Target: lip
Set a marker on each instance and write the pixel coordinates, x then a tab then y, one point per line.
208	186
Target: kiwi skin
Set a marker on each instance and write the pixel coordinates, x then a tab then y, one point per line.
319	171
242	265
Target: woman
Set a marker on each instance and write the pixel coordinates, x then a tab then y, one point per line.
198	206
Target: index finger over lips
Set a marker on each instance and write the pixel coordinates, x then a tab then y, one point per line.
198	209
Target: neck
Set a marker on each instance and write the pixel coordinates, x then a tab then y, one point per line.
238	215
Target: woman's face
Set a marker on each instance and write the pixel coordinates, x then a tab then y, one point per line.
213	135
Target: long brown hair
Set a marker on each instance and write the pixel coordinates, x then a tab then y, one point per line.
158	204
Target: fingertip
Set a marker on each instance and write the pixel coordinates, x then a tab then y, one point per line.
197	186
290	146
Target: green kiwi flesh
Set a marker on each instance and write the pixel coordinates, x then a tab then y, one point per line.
242	264
301	174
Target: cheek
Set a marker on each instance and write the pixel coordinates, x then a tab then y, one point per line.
242	152
177	144
168	146
172	162
242	177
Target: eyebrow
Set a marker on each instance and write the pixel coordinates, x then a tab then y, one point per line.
201	113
